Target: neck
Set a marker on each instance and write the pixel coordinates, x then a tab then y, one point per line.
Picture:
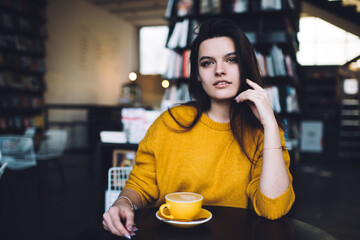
219	112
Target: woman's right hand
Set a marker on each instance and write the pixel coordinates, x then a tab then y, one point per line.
119	219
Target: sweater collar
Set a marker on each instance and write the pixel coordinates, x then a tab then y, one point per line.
214	125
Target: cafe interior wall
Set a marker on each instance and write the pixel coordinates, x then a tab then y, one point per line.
89	54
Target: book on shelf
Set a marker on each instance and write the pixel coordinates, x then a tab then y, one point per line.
276	63
178	65
175	95
170	68
3	123
28	121
13	123
16	122
192	26
278	60
183	40
269	66
239	6
251	36
37	103
169	8
174	39
31	82
261	60
10	123
276	36
179	8
292	134
271	4
20	81
292	105
9	101
273	92
290	65
210	6
38	121
182	92
22	43
290	4
185	7
182	34
289	27
174	67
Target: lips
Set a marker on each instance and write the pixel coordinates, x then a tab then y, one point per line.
220	83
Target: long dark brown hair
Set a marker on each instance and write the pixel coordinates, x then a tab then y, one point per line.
243	122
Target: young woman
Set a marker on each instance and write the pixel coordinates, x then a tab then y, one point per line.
225	145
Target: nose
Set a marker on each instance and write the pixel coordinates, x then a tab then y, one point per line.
220	70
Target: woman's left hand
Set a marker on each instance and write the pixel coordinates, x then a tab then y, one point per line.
259	101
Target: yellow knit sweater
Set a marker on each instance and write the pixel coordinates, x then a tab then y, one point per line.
206	160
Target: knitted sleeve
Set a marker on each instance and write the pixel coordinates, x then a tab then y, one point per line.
263	205
142	178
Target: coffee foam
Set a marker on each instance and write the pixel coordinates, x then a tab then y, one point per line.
184	197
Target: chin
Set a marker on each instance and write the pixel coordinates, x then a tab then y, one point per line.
223	99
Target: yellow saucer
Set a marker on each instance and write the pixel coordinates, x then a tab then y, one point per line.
204	215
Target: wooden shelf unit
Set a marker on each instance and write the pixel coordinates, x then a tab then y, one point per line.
22	65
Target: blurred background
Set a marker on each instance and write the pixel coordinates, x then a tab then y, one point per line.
81	81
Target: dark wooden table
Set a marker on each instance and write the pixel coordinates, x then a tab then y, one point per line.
226	223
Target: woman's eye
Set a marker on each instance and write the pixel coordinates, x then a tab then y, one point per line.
233	60
205	63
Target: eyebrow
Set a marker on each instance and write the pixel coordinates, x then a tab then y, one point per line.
208	57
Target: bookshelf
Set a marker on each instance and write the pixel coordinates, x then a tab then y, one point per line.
22	67
349	113
270	25
319	104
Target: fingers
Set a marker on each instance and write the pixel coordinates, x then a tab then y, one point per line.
257	92
108	224
112	222
105	225
252	95
129	216
254	85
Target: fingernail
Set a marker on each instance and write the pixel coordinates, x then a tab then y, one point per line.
128	236
135	229
133	234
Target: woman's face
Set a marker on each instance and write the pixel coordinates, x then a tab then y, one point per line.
219	71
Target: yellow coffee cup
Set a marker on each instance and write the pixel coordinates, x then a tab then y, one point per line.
182	205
